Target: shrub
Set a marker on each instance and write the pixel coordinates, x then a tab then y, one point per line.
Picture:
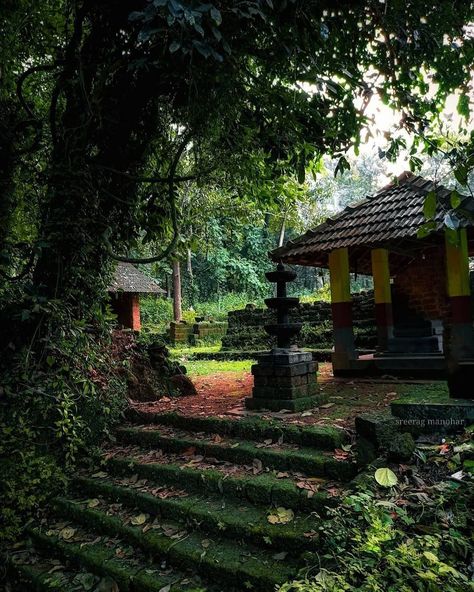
58	403
375	545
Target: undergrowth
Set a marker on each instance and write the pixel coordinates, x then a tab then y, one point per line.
415	538
57	403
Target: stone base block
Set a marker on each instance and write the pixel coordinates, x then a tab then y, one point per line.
297	369
292	392
294	405
428	415
284	357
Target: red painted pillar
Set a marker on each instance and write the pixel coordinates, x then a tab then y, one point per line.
135	323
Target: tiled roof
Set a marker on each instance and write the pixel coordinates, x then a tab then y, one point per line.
393	214
130	279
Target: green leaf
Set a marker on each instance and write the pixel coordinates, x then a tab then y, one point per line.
216	15
461	174
175	46
451	221
281	516
430	556
385	477
139	520
426	229
463	106
429	207
455	199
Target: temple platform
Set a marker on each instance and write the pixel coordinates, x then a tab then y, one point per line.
404	365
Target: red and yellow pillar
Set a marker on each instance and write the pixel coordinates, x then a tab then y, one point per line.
341	304
461	344
383	296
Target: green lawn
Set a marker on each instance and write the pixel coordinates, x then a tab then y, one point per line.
186	350
205	367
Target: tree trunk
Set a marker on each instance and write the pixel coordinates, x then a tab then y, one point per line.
177	311
281	239
190	266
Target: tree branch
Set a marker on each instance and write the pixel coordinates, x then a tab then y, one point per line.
174	219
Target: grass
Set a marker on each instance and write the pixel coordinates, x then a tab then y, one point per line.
206	367
180	351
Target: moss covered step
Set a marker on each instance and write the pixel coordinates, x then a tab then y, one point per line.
231	564
212	515
308	460
115	563
324	437
29	570
263	489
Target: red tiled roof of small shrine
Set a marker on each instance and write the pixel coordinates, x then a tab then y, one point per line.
130	279
393	214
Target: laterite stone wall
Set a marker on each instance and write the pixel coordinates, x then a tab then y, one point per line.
246	332
423	283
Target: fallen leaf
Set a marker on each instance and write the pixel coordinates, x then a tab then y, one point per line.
189	451
385	477
139	520
281	516
93	503
257	466
340	454
67	533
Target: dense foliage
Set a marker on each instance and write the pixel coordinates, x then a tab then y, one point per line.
405	541
109	108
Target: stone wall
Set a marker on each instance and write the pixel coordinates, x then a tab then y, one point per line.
246	332
203	331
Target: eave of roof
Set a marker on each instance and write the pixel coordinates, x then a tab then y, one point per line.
391	216
128	278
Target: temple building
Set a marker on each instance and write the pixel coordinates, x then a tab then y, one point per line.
423	306
125	289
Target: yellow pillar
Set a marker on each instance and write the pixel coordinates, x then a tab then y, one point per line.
343	332
382	296
460	345
457	264
340	276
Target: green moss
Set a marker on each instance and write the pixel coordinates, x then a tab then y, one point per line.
307	460
254	429
260	489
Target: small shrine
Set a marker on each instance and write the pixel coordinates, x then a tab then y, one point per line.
124	291
285	378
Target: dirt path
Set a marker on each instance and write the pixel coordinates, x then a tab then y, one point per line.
222	394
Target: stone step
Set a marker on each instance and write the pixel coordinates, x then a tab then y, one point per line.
256	429
415	345
115	560
29	570
231	564
212	514
311	461
265	489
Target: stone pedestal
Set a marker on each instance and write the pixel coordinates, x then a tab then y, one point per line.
285	379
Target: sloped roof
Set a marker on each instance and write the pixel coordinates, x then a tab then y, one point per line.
391	216
130	279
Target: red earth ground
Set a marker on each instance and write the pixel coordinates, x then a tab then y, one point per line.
223	394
